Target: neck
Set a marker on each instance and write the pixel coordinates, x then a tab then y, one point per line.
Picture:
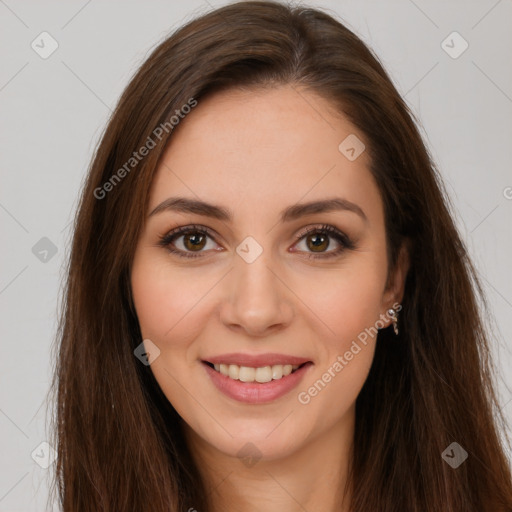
313	477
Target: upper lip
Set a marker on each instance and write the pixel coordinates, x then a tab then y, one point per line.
257	360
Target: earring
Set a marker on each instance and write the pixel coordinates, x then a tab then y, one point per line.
394	316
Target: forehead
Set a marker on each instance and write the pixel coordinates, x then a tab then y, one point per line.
273	146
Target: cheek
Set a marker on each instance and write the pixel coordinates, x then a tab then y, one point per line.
347	310
168	304
347	302
347	352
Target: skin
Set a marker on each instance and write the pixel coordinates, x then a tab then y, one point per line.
257	152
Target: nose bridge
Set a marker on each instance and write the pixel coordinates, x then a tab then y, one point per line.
258	300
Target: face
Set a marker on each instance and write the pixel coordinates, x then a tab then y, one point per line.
260	279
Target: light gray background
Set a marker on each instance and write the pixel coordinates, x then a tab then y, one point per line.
54	109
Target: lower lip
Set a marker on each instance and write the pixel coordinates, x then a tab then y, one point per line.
254	392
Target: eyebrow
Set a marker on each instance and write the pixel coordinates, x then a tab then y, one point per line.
187	205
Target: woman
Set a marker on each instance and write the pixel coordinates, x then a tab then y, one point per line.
268	303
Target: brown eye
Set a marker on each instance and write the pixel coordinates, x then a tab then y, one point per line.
318	239
188	241
195	241
319	242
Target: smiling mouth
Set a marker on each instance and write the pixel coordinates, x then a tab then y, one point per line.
259	375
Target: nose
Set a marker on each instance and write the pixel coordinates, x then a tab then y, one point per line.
257	300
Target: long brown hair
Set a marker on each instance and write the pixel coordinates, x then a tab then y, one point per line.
118	439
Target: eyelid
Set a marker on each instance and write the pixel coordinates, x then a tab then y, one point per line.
190	228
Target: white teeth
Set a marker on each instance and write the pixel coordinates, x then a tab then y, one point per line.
261	374
245	374
233	371
277	371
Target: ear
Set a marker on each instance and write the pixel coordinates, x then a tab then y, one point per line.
394	292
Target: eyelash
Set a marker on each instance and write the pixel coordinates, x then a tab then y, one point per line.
343	240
